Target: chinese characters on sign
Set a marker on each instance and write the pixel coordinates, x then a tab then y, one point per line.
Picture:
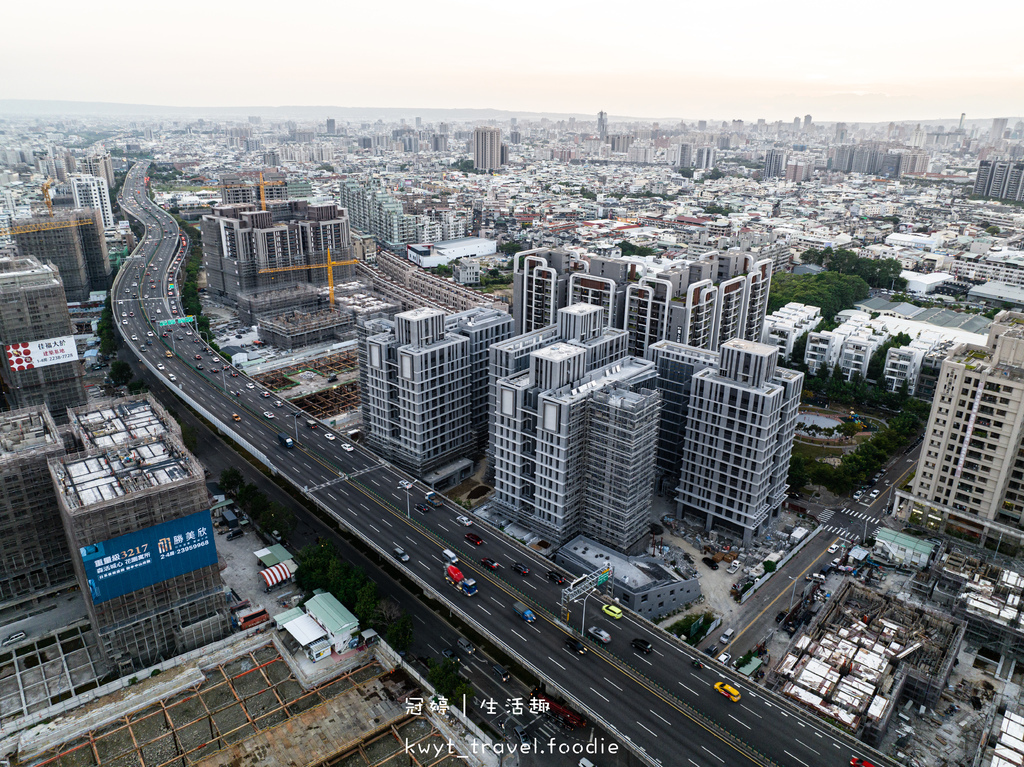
29	355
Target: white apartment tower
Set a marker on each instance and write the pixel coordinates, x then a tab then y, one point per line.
487	148
417	404
970	476
92	192
574	432
740	424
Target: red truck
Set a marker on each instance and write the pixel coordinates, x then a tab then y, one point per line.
455	577
253	619
563	716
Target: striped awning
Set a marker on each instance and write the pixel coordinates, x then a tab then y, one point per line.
276	574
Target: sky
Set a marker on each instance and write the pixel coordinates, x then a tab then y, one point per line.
875	60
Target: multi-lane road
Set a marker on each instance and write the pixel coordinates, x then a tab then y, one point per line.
660	702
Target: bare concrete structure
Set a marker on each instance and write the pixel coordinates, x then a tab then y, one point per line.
33	307
295	329
401	281
73	241
34	556
133	473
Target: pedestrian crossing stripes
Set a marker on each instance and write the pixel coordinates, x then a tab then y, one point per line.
826	515
845	532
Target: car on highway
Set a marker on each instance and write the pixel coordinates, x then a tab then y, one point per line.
344	445
464	520
641	645
124	314
518	567
160	366
612	611
277	402
135	338
172	377
422	508
575	646
728	691
856	761
521	735
328	436
150	334
833	548
199	356
857	495
405	484
399	553
599	634
449	654
250	386
724	658
268	415
490	563
124	322
473	538
265	394
556	577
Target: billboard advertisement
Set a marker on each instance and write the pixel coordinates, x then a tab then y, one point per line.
29	355
133	561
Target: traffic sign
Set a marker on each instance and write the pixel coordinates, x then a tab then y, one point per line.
602	577
177	321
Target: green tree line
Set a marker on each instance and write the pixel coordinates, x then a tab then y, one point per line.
877	273
269	515
831	291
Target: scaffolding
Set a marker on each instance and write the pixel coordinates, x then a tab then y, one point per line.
301	297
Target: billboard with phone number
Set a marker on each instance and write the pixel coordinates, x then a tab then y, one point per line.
133	561
29	355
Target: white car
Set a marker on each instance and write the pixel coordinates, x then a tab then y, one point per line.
345	446
857	495
464	521
150	334
277	402
329	437
874	493
135	338
160	366
599	634
405	484
124	322
250	386
124	314
268	415
833	548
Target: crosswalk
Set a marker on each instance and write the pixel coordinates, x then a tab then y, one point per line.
827	514
853	519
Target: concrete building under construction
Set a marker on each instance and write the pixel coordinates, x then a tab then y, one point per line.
74	242
295	329
249	250
33	307
134	478
34	556
866	653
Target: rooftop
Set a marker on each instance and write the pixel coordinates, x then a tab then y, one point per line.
26	429
116	422
119	471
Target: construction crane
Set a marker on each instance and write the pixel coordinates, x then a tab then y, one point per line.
262	184
42	226
327	266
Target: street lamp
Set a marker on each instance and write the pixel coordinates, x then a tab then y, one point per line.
407	514
792	594
295	416
583	617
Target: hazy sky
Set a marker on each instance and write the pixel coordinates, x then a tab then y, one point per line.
871	60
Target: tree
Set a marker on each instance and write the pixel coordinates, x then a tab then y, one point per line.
830	291
278	517
993	230
388	611
445	679
510	248
137	386
120	372
230	480
769	566
629	249
399	634
366	603
799	349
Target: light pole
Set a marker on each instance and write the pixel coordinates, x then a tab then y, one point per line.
583	617
295	416
792	594
407	515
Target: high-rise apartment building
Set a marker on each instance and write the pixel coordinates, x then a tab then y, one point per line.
41	365
700	303
93	192
426	393
241	241
73	242
331	126
247	190
1001	179
774	164
969	474
34	555
998	128
98	165
487	148
374	211
740	424
705	157
602	126
135	509
574	432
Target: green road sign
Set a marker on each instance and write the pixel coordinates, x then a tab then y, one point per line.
177	321
603	577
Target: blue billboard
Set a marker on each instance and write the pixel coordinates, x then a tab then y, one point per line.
133	561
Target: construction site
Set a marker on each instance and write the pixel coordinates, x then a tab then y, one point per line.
245	704
324	386
863	655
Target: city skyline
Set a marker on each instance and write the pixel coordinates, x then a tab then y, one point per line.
549	64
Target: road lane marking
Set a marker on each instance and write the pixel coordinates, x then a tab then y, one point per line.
739	722
646	728
376	530
386	522
666	721
687	688
609	681
484	609
799	760
518	634
806	746
496	602
608	701
423	563
556	663
747	708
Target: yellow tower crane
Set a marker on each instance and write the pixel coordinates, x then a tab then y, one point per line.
328	266
262	184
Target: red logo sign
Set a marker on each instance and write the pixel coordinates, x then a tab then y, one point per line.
20	356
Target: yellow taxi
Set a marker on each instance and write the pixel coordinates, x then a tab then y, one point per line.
728	691
236	417
612	611
168	354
